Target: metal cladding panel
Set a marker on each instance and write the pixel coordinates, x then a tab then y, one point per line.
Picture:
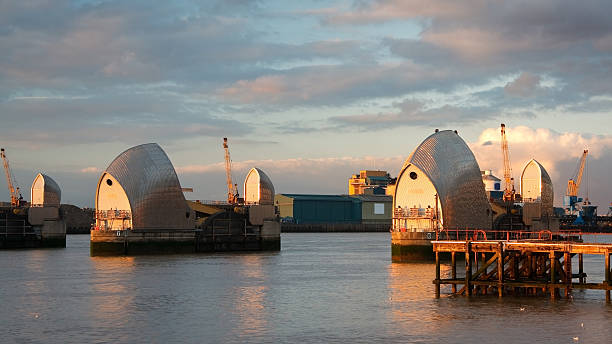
52	194
265	193
152	187
546	187
452	168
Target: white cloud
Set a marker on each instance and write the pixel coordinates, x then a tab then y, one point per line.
90	169
557	152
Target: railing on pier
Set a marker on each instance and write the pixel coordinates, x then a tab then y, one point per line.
521	267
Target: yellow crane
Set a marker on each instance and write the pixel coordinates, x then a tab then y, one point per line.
573	184
232	189
16	198
509	192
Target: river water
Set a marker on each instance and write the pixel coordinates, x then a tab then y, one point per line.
320	288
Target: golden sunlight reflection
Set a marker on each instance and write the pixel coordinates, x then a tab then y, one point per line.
111	294
250	298
411	295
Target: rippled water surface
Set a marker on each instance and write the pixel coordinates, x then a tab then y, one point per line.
320	288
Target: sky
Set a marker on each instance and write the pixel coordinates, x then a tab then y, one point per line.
310	91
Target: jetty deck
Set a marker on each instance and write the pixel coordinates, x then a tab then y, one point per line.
520	267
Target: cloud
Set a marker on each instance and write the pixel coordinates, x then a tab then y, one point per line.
90	169
523	86
557	152
414	114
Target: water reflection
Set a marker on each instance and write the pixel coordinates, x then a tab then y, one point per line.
411	295
250	297
112	291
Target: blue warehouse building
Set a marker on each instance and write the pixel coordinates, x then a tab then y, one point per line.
318	209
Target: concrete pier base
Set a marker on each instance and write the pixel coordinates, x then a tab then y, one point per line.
160	241
412	247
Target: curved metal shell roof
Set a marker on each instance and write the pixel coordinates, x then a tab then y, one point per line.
152	188
52	193
452	168
547	191
266	188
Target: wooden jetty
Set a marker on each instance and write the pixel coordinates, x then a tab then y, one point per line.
520	267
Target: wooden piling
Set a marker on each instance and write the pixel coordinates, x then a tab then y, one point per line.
500	269
607	275
453	272
524	267
581	279
468	269
553	278
567	261
437	275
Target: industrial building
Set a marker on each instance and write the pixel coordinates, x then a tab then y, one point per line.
440	187
315	209
140	190
492	185
369	182
376	209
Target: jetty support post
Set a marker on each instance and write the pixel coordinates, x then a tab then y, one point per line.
500	269
468	269
607	275
567	261
437	274
454	272
553	278
581	279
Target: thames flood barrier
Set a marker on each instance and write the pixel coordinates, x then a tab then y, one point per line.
141	209
520	268
38	224
439	187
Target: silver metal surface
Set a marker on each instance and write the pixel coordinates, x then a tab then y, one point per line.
52	192
547	191
452	168
152	188
266	188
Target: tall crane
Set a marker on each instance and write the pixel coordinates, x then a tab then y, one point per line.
16	198
232	189
573	184
509	192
